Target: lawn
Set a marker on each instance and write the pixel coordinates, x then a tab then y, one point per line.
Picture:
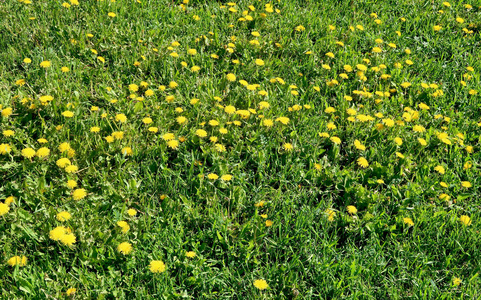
292	149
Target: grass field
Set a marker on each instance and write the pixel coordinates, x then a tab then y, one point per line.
297	149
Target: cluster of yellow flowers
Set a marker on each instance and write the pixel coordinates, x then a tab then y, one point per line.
348	101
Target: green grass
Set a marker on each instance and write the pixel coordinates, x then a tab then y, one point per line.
373	253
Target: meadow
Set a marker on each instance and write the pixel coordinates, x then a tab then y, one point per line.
301	149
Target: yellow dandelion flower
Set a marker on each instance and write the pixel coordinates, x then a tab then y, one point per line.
147	121
64	147
71	169
43	152
226	177
300	28
21	82
268	122
264	105
122	118
231	77
133	87
68	239
157	266
4	209
124	248
351	111
331	214
336	140
408	221
361	67
173	144
63	216
21	261
45	64
444	196
351	209
260	204
28	153
466	184
79	194
283	120
213	176
168	136
9	200
220	148
127	151
7	112
5	148
153	129
57	233
419	128
457	281
465	220
223	130
8	133
124	226
201	133
261	284
63	162
331	126
244	114
359	145
287	147
229	109
440	169
213	123
259	62
181	120
330	110
362	162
